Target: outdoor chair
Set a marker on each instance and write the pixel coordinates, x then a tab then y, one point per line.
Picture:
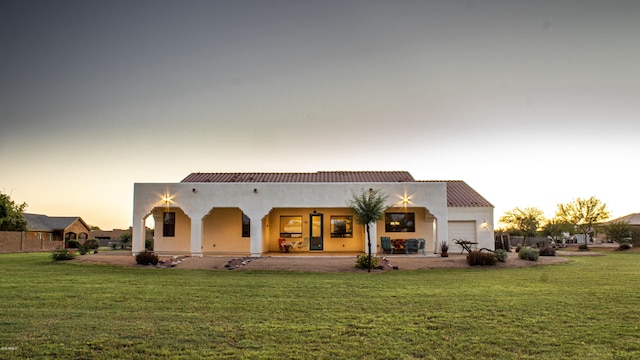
386	245
422	244
304	245
411	245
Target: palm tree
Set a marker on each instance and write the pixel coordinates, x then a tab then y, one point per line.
369	206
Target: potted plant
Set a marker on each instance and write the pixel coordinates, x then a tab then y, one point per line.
444	249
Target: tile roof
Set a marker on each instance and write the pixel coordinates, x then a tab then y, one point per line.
37	222
460	194
316	177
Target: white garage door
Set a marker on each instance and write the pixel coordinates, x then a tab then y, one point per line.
465	230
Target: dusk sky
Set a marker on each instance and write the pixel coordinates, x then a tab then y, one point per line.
532	103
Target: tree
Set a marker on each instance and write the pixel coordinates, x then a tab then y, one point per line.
11	218
583	214
525	222
618	231
369	206
556	228
125	238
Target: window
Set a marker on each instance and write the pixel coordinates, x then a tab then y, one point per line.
341	226
400	222
39	236
290	226
246	226
69	236
169	224
50	237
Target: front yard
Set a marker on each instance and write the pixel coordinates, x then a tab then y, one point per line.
586	308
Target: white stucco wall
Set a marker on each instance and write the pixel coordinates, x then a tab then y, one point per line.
257	200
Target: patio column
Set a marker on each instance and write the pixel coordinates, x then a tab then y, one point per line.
138	235
373	231
196	236
255	229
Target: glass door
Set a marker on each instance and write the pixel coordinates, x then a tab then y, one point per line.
315	232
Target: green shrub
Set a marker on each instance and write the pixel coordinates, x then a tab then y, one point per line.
583	247
147	258
623	246
362	262
62	254
73	244
148	244
502	255
547	251
478	257
92	244
528	254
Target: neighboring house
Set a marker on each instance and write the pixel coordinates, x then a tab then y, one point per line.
56	228
247	213
633	220
105	237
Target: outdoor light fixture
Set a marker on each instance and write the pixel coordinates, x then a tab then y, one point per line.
194	190
255	191
484	225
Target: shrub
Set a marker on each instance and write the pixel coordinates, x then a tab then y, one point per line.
478	257
547	251
361	262
623	246
502	255
528	254
583	247
92	244
147	258
73	244
62	254
148	244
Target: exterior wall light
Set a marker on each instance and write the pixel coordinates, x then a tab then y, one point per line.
255	191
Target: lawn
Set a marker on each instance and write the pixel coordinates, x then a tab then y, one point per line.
587	308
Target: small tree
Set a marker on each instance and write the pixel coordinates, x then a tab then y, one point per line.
525	222
125	238
11	218
583	214
618	231
556	228
369	206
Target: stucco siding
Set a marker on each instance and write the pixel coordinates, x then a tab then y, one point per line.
172	244
223	232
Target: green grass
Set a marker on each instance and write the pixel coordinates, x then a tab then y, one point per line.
587	308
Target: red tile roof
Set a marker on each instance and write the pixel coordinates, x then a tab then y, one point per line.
316	177
459	194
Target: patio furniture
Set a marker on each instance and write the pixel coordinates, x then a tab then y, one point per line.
283	245
422	244
385	241
303	245
398	245
411	245
466	245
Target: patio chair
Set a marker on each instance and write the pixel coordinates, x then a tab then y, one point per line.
385	241
422	244
304	245
410	245
282	247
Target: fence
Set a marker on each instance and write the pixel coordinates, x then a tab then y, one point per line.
17	241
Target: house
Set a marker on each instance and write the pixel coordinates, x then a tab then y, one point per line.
107	237
253	213
56	228
634	222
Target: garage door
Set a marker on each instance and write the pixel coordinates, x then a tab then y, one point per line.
465	230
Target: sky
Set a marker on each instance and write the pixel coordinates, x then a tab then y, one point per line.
532	103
